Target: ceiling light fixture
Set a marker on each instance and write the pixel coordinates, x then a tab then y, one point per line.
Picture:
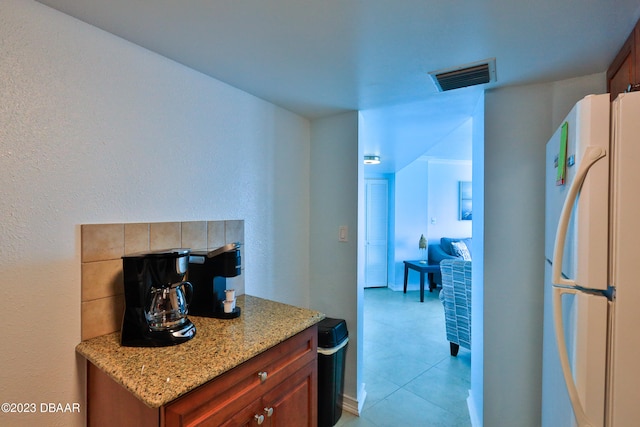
371	160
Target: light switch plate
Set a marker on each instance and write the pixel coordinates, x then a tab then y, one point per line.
343	233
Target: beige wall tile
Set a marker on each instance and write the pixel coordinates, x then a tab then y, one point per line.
236	283
101	242
215	234
234	231
194	235
136	238
164	235
104	244
102	316
101	279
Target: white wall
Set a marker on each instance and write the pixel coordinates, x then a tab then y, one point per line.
336	283
475	400
410	212
444	178
518	122
95	130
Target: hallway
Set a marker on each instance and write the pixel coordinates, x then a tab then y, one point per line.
411	379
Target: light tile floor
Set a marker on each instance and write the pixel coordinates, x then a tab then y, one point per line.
410	378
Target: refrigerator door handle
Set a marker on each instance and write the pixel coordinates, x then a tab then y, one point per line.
591	155
578	410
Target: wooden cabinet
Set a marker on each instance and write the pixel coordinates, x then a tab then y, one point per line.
110	404
289	403
625	68
276	388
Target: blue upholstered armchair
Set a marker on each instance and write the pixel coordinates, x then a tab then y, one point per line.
456	298
446	250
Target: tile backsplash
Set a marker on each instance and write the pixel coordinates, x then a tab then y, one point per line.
103	245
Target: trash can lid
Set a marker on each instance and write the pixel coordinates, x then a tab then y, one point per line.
331	332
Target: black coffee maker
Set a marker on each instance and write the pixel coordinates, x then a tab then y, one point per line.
156	298
208	271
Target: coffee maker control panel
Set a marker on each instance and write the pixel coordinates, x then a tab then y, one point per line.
224	261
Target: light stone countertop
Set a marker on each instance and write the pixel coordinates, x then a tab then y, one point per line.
159	375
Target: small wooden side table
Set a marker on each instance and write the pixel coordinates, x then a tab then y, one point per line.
422	269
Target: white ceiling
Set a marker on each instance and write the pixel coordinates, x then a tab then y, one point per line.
321	57
438	127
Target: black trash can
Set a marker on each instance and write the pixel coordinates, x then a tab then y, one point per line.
332	350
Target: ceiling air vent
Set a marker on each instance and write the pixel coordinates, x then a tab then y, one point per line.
467	75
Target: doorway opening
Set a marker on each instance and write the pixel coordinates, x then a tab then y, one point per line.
423	198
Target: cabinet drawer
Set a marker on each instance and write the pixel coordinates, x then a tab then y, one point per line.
221	399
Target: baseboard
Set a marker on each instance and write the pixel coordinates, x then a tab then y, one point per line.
473	413
410	287
354	406
395	287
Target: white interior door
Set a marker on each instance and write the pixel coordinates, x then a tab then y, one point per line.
376	226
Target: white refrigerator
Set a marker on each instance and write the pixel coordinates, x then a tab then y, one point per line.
591	345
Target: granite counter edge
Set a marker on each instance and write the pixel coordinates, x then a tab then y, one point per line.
155	400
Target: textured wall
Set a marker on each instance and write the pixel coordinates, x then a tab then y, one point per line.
96	130
336	282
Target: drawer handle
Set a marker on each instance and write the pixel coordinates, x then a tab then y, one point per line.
262	375
269	411
259	418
